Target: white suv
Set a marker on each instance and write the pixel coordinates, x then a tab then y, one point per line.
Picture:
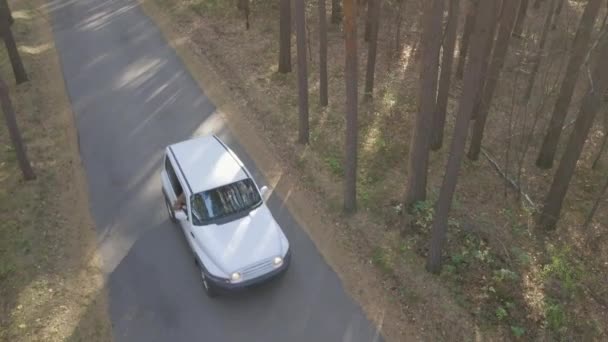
234	237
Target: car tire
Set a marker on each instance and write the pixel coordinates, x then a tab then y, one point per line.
209	289
170	210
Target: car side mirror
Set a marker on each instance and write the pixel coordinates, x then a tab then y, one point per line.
180	215
264	190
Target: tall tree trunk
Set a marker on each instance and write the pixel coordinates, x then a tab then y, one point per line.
399	22
469	24
560	6
368	20
447	58
589	108
558	11
302	72
350	160
521	18
577	57
243	5
485	61
499	55
537	4
596	205
11	46
15	134
336	11
604	143
371	55
600	152
4	7
539	53
285	37
322	54
427	96
472	82
308	44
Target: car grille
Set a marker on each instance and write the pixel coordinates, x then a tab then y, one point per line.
257	269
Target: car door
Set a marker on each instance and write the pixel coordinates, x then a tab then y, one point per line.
173	188
187	225
170	183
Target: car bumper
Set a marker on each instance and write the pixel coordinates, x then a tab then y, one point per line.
223	285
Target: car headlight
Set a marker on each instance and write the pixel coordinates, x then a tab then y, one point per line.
235	277
277	261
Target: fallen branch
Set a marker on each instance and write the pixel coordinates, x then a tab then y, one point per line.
510	181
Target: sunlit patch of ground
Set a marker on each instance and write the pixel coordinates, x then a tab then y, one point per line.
51	287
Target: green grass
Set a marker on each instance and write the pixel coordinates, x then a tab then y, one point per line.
518	331
555	316
203	7
563	267
521	256
7	267
501	313
383	259
335	165
423	213
503	274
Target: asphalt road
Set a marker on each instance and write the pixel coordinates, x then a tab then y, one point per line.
132	96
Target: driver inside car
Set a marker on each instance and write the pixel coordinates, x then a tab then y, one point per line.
180	202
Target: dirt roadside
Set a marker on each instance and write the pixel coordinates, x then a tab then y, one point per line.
51	286
424	309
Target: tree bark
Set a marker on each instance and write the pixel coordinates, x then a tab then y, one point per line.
323	96
302	72
485	61
577	57
603	145
11	46
336	11
368	19
398	24
537	4
521	17
596	205
447	58
472	80
537	59
350	160
427	96
285	37
469	24
589	108
560	6
15	134
372	49
499	55
243	5
600	152
558	11
4	6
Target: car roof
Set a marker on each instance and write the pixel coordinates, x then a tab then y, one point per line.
207	163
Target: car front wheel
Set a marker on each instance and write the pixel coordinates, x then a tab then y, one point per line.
209	290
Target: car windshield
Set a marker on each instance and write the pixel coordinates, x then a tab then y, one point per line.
238	197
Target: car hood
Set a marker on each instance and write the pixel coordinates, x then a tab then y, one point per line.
242	242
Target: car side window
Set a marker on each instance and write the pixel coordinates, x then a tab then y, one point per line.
177	188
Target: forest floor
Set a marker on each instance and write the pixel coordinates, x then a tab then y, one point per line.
502	278
51	287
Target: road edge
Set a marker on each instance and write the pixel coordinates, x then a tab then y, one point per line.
329	242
